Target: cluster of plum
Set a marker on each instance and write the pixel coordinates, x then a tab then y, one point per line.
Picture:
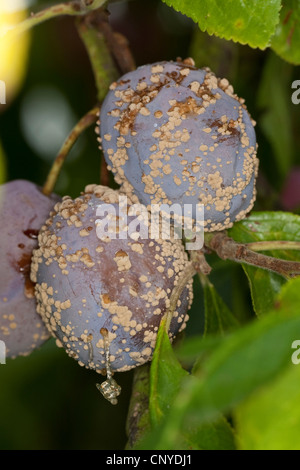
170	133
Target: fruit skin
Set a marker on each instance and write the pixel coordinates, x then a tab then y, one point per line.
84	284
172	133
23	210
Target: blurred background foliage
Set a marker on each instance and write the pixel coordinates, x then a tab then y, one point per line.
46	400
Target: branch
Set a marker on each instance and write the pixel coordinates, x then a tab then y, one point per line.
138	422
74	8
83	124
201	265
227	248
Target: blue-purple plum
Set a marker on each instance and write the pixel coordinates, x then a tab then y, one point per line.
172	133
88	280
23	210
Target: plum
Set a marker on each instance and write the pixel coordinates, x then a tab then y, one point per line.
23	210
172	133
97	286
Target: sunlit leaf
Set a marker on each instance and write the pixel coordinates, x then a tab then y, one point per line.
250	22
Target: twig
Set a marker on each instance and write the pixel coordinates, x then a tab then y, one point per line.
83	124
200	263
227	248
74	8
273	245
138	423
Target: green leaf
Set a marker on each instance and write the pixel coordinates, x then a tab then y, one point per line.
270	418
218	317
166	375
264	287
250	22
267	226
216	435
248	359
275	120
286	41
197	347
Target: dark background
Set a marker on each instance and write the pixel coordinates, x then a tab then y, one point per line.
46	400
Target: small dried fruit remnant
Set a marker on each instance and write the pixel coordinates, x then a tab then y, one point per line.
86	284
172	133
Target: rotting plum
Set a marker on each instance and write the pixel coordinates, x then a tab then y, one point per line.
23	210
172	133
87	282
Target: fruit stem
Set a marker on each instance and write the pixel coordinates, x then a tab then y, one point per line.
83	124
273	245
104	69
227	248
112	46
183	280
109	55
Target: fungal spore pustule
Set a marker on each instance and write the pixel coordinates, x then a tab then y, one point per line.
85	284
172	133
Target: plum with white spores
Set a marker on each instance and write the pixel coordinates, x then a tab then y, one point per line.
172	133
23	210
103	298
